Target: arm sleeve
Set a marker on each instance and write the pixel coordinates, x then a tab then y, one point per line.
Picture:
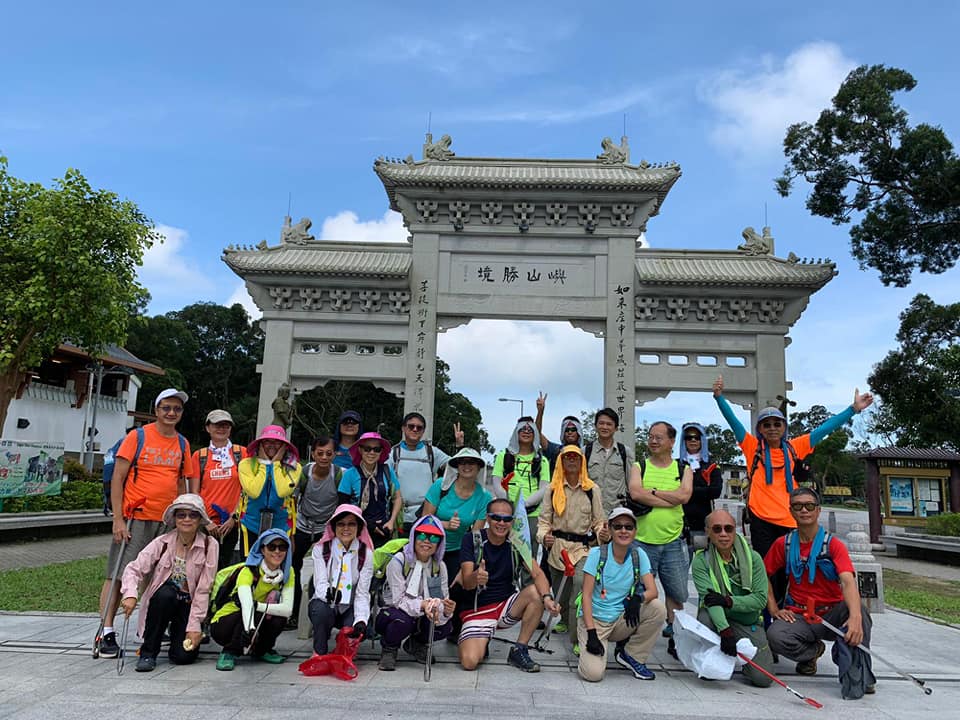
361	600
834	422
703	584
732	420
285	607
321	579
396	590
245	598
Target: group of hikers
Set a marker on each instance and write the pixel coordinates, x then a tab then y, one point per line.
414	546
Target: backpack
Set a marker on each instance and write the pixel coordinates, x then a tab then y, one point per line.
824	561
305	476
395	456
361	554
224	586
621	448
520	570
800	472
635	560
637	508
141	439
510	461
204	454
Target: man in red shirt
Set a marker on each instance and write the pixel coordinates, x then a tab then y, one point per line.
148	474
821	581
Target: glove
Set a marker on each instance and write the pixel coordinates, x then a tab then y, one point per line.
333	596
594	646
631	611
359	629
245	637
728	642
713	599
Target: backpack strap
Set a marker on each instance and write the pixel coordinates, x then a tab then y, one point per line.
203	454
622	449
604	550
509	462
635	559
141	438
477	547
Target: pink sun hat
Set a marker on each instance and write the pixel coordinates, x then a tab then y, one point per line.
273	432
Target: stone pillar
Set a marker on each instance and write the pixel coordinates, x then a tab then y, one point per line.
771	373
872	483
619	366
869	571
275	368
421	379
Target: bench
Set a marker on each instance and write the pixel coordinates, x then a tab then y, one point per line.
937	548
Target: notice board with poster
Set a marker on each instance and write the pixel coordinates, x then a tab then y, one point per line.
30	468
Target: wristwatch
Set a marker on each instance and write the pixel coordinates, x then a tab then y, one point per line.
546	595
653	492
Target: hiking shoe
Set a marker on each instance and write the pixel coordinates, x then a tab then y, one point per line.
272	657
576	649
146	663
672	649
667	631
108	645
520	657
809	667
226	661
417	649
870	689
292	624
560	627
639	670
388	659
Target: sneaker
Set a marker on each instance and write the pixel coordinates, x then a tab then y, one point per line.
560	627
809	667
417	649
639	670
672	649
146	663
520	658
576	649
272	657
292	624
667	631
108	645
388	659
870	689
226	661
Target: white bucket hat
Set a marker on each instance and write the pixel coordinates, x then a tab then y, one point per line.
187	501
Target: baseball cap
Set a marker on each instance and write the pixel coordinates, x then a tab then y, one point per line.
218	416
169	393
619	512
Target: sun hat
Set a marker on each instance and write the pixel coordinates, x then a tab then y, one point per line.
169	393
187	501
384	447
218	416
272	432
466	454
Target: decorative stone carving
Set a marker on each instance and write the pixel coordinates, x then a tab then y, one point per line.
281	297
756	244
523	215
621	214
459	213
311	298
296	234
490	212
770	310
739	310
614	154
262	245
340	299
645	308
439	150
399	301
369	300
707	308
283	407
589	214
427	209
677	308
556	213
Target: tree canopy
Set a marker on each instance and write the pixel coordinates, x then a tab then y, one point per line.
68	257
832	464
919	382
862	156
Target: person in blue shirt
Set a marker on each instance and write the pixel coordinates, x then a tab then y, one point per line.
371	485
349	428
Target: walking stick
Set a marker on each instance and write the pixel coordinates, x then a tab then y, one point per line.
426	669
253	638
568	572
114	579
808	701
123	644
915	680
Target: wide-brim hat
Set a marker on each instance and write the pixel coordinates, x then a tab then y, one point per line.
366	437
187	501
466	454
272	432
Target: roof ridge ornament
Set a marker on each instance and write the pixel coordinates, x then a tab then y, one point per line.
298	234
756	244
439	150
614	154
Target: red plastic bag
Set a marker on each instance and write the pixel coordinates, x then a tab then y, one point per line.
339	663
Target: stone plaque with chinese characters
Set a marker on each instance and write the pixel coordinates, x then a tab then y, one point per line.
529	276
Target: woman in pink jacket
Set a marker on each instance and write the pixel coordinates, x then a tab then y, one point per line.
181	565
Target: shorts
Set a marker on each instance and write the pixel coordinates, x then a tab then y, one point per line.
141	533
483	622
669	563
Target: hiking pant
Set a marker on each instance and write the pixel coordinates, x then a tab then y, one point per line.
762	535
639	641
756	635
395	626
324	619
228	631
571	590
301	546
168	606
798	640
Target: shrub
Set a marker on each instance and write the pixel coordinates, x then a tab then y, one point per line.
946	524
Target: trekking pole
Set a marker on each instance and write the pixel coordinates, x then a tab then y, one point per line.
915	680
256	631
568	572
808	701
114	580
426	669
123	644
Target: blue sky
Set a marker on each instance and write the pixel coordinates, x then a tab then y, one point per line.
212	116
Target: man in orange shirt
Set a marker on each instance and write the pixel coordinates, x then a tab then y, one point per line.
218	482
148	474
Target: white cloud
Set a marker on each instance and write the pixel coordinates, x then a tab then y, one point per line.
755	107
167	272
240	295
346	225
643	99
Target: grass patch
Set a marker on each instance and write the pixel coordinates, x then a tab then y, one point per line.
64	587
932	597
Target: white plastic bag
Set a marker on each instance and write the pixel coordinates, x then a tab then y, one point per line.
699	649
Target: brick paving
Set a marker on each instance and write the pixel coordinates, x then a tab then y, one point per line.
45	552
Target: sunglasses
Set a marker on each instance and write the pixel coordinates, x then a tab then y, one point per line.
349	421
526	429
428	537
276	547
186	515
415	428
616	527
808	506
496	517
728	529
689	438
570	429
170	409
370	448
771	424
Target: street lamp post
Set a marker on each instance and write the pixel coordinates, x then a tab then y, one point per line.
513	400
95	402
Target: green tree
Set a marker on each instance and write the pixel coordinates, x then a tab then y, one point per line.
831	463
862	156
68	257
722	445
919	382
